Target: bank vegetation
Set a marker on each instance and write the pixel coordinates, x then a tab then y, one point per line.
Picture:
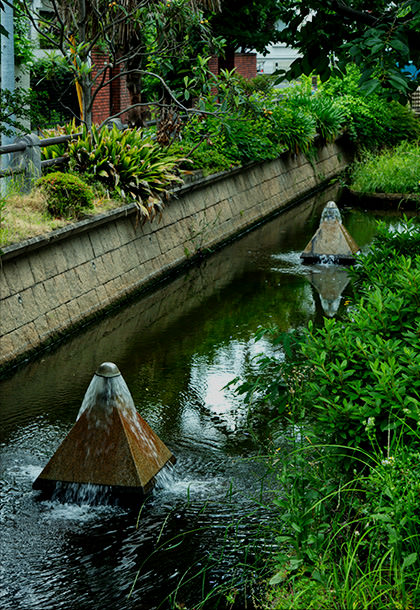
248	121
346	528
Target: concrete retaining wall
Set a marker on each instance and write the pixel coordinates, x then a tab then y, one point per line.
52	283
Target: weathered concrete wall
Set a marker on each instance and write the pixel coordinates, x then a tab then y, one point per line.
52	283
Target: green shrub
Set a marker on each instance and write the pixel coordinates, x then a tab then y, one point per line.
363	121
364	368
387	247
402	123
230	140
371	121
261	82
248	139
345	84
207	157
58	150
294	128
328	114
329	117
393	171
127	162
68	196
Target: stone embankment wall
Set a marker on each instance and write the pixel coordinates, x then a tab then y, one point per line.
52	283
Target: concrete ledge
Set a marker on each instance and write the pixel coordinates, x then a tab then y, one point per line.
53	283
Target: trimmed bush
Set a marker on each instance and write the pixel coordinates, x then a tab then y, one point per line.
68	196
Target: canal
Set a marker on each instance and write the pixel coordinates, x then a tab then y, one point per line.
177	347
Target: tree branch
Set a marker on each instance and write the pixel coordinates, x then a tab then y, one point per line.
354	14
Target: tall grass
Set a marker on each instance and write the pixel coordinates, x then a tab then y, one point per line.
392	171
350	545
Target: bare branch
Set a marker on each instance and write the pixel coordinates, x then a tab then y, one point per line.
360	16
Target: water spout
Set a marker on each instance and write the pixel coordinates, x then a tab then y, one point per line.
110	448
331	241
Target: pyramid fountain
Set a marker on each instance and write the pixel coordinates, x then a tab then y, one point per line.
110	450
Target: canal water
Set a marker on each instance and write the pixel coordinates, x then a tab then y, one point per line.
176	347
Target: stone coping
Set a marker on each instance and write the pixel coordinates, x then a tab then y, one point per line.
80	226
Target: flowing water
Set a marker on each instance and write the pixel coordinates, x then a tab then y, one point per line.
176	347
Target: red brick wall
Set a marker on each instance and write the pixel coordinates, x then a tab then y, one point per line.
213	66
115	97
101	104
246	64
120	98
112	98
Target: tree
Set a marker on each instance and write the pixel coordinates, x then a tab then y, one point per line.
382	37
247	25
126	31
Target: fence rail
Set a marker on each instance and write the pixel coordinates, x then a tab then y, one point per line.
415	101
25	156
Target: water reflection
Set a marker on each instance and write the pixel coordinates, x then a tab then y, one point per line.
329	282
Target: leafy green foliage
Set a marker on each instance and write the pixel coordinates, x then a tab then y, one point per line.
328	115
14	109
248	25
347	530
373	123
393	171
363	370
68	196
381	38
262	83
55	100
387	246
249	140
294	127
127	162
24	47
370	121
253	125
207	157
256	124
58	150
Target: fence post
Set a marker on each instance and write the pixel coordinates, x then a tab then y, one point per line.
117	122
29	160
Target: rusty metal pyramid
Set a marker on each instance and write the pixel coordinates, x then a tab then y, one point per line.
110	444
331	241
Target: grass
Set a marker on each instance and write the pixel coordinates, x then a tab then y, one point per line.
393	171
25	216
368	560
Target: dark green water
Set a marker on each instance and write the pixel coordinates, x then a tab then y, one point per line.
176	348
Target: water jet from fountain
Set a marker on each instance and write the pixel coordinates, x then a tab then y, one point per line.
110	449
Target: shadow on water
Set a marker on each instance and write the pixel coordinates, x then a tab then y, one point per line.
177	348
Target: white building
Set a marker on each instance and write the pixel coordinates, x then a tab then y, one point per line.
279	57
